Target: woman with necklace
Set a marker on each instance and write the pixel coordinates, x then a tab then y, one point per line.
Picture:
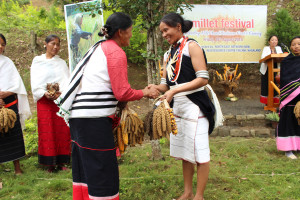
184	78
271	49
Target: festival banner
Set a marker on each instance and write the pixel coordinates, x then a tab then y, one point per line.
229	33
82	30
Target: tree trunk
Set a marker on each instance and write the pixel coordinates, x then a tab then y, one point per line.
156	151
151	74
33	44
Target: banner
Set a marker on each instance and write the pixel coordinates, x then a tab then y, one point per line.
82	30
229	33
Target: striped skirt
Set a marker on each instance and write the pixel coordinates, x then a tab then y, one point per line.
12	143
191	143
54	146
288	131
94	162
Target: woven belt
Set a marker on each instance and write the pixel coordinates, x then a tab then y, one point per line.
11	103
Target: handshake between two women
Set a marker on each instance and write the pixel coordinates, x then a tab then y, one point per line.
153	91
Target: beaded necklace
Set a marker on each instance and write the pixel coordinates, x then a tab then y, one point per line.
173	72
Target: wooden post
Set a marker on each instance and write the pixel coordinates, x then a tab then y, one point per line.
33	43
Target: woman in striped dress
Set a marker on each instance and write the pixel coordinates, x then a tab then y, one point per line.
98	82
13	96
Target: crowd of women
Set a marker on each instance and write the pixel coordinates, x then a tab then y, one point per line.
87	99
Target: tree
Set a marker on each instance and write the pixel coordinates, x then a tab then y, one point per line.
285	27
151	12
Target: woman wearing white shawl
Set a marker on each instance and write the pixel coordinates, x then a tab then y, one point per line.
13	95
54	134
272	49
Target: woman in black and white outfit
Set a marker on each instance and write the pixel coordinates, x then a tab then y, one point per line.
183	81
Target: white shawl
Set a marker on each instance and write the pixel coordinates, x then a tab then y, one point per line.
10	80
266	52
43	71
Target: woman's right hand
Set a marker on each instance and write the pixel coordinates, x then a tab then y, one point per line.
150	92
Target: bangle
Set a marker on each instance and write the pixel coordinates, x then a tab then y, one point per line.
202	74
163	81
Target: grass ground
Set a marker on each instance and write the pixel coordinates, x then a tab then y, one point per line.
241	168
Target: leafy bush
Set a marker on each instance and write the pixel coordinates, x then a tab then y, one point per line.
138	44
31	135
28	17
273	116
284	27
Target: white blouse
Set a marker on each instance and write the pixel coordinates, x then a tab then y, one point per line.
43	71
10	80
266	52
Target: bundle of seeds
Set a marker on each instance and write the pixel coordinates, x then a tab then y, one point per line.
130	130
7	119
162	122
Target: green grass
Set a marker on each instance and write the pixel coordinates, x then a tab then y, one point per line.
241	168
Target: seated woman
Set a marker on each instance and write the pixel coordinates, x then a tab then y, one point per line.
272	49
13	96
288	135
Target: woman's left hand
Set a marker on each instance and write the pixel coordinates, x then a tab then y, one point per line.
168	96
56	95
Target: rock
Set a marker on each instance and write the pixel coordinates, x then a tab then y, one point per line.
262	132
224	131
238	132
241	117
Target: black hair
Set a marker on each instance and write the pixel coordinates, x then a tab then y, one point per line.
114	22
296	37
273	36
50	38
3	38
173	19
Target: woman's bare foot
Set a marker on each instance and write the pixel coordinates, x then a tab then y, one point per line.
18	170
186	196
198	197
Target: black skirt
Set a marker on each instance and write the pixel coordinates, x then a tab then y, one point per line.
94	162
264	88
12	143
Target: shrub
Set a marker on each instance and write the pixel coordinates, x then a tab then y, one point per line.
28	17
285	27
138	44
273	116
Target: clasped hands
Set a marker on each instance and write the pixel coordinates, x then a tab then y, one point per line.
168	95
151	92
52	96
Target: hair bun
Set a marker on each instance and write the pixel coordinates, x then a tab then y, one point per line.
187	25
